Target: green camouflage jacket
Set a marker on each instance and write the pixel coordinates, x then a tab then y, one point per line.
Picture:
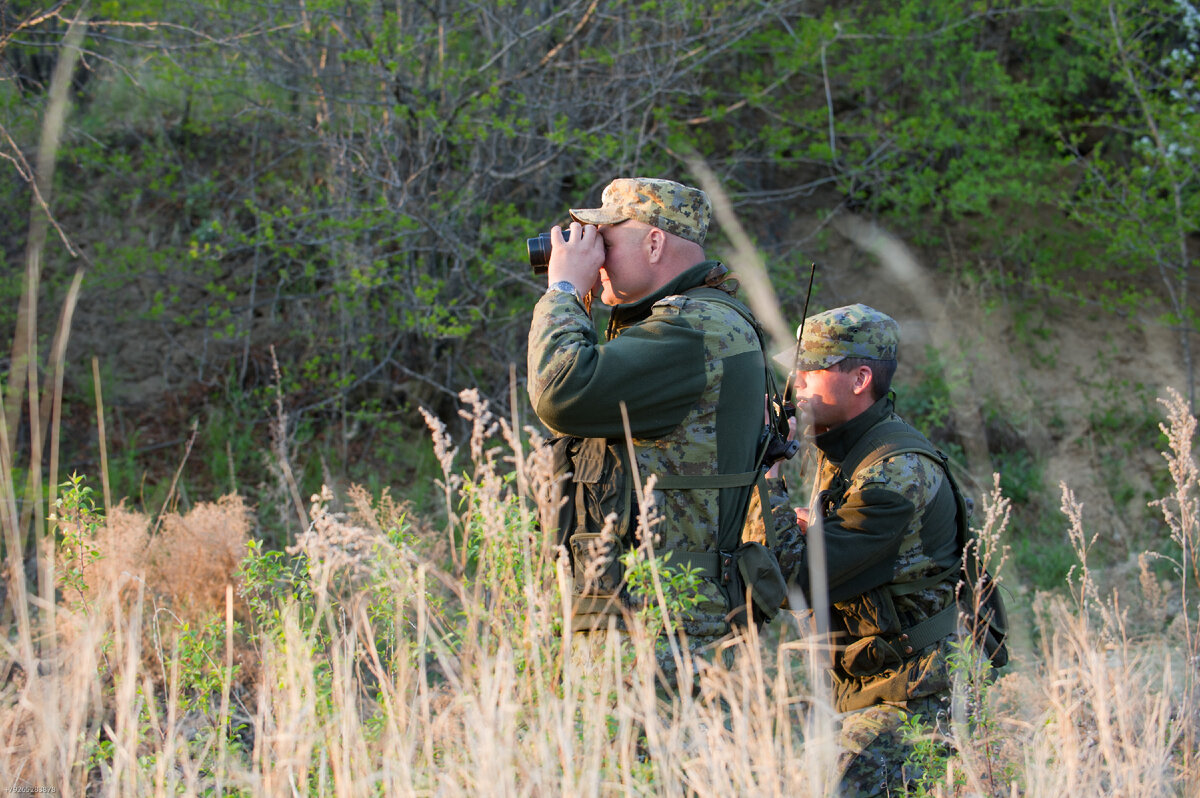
889	524
691	373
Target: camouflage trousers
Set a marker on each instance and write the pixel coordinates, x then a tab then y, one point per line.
605	657
874	758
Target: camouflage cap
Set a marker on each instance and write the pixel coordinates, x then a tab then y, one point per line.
850	331
673	207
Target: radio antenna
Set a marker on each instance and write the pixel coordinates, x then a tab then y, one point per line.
787	390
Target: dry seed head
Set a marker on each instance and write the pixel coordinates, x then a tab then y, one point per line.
334	544
1152	590
442	449
1181	509
483	423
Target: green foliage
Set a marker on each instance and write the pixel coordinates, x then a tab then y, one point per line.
1041	555
927	756
200	654
973	676
231	444
1123	420
1123	412
924	398
77	520
647	574
1020	476
330	570
268	579
1139	188
496	538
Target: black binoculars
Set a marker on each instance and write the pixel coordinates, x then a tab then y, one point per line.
539	250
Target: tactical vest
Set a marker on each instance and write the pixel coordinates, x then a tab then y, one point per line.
878	643
599	512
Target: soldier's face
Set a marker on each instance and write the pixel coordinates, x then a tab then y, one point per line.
625	276
825	397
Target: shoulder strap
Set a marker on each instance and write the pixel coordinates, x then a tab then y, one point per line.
887	438
890	438
711	294
755	477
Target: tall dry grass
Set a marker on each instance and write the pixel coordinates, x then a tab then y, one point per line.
379	659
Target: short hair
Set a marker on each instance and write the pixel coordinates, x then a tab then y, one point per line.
882	372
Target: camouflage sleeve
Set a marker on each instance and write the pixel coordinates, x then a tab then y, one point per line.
560	333
791	546
783	518
656	367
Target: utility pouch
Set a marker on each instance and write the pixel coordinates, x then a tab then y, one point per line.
759	570
603	498
558	508
870	656
596	514
870	613
987	619
597	565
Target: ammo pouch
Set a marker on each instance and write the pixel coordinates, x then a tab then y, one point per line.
981	604
873	666
595	560
758	569
596	513
869	656
872	626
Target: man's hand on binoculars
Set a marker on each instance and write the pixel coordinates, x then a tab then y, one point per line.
578	259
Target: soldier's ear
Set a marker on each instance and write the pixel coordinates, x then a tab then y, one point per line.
863	377
655	244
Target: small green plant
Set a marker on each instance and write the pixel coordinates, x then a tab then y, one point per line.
926	398
201	650
646	576
928	756
268	575
979	730
1020	476
78	521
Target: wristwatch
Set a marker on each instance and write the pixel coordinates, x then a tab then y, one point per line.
566	288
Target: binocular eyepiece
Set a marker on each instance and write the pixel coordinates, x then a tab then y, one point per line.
779	448
539	250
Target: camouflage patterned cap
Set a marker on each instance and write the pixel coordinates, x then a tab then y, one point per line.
850	331
678	209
